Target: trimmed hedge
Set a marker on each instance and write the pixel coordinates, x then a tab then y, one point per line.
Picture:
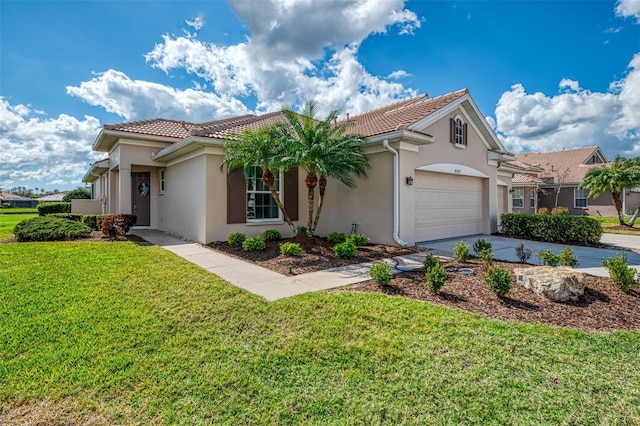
93	221
49	228
558	228
71	216
49	208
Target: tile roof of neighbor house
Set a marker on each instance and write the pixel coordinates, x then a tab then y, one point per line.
53	197
522	178
400	115
397	116
10	196
568	165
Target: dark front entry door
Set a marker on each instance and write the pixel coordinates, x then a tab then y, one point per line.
141	197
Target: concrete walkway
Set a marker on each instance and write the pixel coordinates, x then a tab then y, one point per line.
261	281
272	285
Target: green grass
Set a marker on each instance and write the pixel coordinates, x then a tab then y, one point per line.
610	221
18	211
126	333
7	223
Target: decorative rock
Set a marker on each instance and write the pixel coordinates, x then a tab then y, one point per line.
556	284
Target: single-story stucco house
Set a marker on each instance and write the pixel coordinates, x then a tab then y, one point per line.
438	171
550	176
17	201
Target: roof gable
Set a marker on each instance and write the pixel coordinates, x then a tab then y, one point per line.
569	165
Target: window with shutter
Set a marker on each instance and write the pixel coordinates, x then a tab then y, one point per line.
458	132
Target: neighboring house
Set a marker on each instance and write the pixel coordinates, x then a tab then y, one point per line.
544	173
17	200
52	197
438	171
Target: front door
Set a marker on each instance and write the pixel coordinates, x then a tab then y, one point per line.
141	198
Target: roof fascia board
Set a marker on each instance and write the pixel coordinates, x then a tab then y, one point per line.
119	134
185	146
408	136
200	150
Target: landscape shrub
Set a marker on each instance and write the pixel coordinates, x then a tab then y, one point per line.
498	280
49	228
77	194
523	253
117	225
548	258
290	249
566	258
486	255
254	244
336	237
461	252
481	245
71	216
358	239
435	278
93	221
49	208
559	210
558	228
301	229
271	235
622	276
236	239
381	272
5	205
430	261
345	250
543	211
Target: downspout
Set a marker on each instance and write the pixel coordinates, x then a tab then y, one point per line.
396	199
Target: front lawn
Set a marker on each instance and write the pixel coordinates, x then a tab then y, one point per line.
9	221
120	333
611	225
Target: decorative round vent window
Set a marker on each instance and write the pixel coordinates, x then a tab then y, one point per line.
143	188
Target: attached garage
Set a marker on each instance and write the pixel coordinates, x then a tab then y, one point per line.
447	205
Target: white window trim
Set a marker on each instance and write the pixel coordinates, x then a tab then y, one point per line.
463	143
517	194
274	220
532	197
585	192
162	175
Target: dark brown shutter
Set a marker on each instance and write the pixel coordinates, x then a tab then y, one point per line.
291	193
452	130
464	134
236	198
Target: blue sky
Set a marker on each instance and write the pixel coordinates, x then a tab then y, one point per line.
547	74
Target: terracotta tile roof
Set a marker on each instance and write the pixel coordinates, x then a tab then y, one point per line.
10	196
168	128
523	178
569	165
228	129
400	115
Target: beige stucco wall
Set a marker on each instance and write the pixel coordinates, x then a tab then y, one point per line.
370	205
86	206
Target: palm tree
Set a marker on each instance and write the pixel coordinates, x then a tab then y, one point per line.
614	177
259	148
324	149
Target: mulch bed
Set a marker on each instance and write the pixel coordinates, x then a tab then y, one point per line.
603	307
318	255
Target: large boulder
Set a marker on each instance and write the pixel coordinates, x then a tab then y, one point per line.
556	284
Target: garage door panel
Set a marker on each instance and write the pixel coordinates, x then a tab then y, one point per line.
447	206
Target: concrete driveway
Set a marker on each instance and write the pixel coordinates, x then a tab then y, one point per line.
590	258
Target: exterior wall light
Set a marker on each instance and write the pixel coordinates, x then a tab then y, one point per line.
409	180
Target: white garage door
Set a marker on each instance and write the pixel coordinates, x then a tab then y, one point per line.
447	206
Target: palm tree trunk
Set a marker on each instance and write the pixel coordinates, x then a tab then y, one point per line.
617	202
311	181
268	180
634	217
322	186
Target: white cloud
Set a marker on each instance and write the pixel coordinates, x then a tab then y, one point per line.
628	8
46	152
573	118
138	99
297	49
196	23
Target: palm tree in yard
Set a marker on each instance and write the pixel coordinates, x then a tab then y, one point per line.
324	149
614	177
261	148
